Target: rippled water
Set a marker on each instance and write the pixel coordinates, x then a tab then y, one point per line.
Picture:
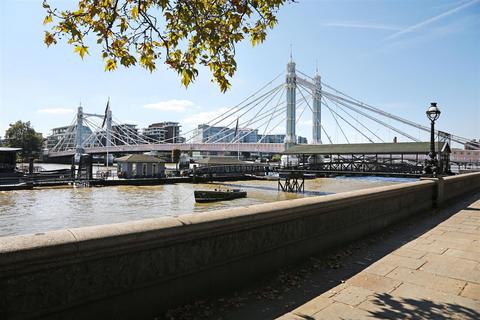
32	211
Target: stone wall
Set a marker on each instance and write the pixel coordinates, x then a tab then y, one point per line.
139	268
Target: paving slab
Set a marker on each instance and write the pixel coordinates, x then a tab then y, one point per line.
434	276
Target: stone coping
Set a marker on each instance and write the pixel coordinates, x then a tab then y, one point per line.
94	240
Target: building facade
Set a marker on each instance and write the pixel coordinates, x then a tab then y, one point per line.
172	131
140	166
67	134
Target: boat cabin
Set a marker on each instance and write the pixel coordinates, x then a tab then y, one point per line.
8	159
224	166
140	166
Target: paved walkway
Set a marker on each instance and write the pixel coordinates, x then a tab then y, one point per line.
436	276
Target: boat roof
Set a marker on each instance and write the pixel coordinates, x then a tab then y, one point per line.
139	158
369	148
225	161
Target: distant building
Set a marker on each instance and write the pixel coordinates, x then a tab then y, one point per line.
124	134
205	133
155	134
247	135
67	134
172	134
301	140
271	138
140	166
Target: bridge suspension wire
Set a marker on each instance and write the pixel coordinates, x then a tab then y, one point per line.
325	131
276	106
359	122
354	127
332	97
230	114
271	94
300	87
260	116
369	107
338	124
275	114
216	120
68	133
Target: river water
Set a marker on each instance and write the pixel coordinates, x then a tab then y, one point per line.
40	210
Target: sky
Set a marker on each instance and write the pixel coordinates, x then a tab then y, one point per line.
398	55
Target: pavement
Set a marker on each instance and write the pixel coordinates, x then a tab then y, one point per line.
434	276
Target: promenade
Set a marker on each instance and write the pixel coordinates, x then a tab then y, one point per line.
434	276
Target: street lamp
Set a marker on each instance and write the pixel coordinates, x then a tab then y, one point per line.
433	113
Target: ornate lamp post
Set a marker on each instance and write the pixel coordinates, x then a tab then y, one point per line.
433	113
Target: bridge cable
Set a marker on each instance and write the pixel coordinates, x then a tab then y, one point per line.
359	122
366	106
271	95
334	98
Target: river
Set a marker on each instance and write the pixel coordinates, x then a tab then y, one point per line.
40	210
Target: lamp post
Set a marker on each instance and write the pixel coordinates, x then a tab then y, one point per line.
433	113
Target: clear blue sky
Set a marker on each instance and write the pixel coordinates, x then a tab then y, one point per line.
399	55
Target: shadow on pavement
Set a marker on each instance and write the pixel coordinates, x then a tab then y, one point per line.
400	308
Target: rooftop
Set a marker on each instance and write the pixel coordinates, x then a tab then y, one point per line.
139	158
225	161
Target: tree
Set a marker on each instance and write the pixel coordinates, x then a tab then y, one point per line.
184	33
22	135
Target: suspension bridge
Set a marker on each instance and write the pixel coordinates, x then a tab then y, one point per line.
279	105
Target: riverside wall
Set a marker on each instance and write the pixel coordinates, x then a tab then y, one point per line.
137	269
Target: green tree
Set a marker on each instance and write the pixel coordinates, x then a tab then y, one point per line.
22	135
184	33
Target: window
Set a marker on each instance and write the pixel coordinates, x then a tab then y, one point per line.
144	169
134	169
154	169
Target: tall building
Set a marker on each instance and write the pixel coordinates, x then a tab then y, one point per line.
301	140
67	134
247	135
205	133
154	134
172	134
125	134
271	138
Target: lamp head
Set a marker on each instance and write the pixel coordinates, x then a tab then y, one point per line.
433	113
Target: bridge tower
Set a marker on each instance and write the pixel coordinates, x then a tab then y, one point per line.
291	85
79	135
317	110
108	135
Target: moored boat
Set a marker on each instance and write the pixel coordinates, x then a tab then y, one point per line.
218	195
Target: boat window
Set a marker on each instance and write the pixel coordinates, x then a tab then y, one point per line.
144	169
134	169
154	169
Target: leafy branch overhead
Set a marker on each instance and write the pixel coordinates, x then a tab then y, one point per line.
182	33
